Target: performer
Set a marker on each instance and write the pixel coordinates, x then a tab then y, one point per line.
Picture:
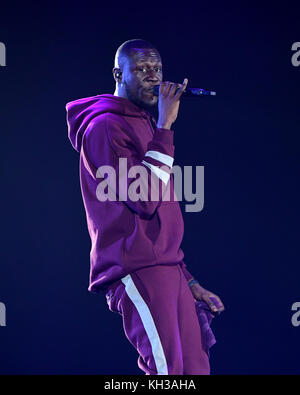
136	259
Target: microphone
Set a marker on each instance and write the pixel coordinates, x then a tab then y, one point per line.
189	92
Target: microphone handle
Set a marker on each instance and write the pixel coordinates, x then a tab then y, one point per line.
189	92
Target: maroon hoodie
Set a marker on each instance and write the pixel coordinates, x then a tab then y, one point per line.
126	235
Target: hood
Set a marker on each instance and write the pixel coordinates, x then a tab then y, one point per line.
82	111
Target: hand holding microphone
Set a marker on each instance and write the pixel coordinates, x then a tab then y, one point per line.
169	98
168	102
189	92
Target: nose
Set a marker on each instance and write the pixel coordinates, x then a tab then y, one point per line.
152	74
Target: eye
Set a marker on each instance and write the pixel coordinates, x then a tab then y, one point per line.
144	69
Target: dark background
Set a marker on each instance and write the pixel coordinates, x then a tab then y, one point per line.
242	246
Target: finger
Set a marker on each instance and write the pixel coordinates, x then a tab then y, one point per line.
221	304
217	302
185	82
181	89
167	89
210	303
173	88
162	87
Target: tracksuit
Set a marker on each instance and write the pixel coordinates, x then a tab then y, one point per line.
135	256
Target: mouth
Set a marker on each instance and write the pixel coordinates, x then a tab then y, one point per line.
149	92
151	88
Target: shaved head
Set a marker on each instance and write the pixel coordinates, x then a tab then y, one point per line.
127	50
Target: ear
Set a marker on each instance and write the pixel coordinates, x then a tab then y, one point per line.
117	74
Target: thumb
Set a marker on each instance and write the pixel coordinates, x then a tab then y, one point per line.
185	82
182	88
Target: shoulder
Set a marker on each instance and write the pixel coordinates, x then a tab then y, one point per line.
104	125
107	129
107	120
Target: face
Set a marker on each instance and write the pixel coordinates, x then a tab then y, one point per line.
142	71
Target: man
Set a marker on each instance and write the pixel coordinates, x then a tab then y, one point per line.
136	257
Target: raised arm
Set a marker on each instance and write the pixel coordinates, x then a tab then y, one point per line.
106	141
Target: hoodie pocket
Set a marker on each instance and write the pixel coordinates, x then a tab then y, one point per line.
171	229
138	282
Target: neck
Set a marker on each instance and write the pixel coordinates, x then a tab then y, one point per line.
120	92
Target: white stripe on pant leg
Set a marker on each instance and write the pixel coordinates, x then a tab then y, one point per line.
148	323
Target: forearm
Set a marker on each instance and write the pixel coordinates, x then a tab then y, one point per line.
186	273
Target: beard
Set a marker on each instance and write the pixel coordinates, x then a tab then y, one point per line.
132	96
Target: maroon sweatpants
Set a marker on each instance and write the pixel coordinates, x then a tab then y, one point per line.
160	321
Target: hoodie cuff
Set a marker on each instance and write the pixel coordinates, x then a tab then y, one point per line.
162	141
165	135
186	273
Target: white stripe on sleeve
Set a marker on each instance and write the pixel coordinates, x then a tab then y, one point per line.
163	175
165	159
